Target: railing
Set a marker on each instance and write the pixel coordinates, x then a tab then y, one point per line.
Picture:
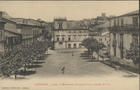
124	27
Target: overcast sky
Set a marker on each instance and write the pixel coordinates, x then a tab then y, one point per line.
76	10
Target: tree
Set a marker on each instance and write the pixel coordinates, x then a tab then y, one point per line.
92	45
133	53
20	56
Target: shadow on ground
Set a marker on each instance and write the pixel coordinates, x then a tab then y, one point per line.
26	73
33	66
130	76
38	62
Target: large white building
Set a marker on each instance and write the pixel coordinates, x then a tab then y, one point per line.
69	34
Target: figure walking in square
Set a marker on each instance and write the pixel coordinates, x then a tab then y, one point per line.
63	69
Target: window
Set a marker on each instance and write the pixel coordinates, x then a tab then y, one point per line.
100	40
135	39
57	38
0	34
63	38
118	21
121	45
114	36
135	21
114	40
60	25
74	36
114	43
114	22
61	43
122	22
69	39
79	45
110	23
69	45
107	42
74	46
114	51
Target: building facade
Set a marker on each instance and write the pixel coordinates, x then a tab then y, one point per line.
30	29
68	34
8	37
119	34
124	31
15	31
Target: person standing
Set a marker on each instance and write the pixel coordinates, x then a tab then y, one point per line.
63	69
72	54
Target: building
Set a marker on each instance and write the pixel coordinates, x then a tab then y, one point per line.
4	14
68	34
101	19
15	31
9	37
47	30
30	29
124	31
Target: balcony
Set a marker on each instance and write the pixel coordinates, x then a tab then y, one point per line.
124	28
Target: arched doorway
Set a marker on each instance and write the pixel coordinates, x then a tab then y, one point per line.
69	45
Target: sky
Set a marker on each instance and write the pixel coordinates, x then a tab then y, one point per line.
72	10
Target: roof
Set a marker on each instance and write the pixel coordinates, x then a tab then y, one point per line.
7	20
74	25
15	33
23	21
136	12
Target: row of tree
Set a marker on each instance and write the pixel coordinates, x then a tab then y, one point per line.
20	56
94	46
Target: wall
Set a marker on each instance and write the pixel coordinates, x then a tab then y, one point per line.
64	45
127	36
10	27
75	36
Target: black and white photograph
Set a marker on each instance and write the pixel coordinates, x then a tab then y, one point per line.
69	45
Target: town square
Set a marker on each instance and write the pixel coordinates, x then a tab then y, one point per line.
65	45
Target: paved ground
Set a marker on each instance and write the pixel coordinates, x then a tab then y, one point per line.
79	72
75	65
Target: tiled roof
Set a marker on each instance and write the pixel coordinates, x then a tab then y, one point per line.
26	21
73	25
131	13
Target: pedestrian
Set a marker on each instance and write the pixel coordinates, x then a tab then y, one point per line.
72	54
63	69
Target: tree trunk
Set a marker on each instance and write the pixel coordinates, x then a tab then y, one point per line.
25	67
15	76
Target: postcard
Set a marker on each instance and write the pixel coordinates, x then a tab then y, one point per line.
69	45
